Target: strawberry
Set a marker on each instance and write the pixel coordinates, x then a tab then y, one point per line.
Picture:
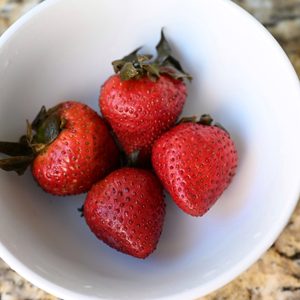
126	211
144	98
70	150
195	162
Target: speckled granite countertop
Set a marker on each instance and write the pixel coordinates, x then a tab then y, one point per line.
276	276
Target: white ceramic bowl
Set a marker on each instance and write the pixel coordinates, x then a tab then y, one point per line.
62	50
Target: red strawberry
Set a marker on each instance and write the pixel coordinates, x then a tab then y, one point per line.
126	211
144	98
195	163
70	150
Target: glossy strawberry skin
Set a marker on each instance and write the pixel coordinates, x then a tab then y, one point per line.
83	153
195	163
140	110
126	211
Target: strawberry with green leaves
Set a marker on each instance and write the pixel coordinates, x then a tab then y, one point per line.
126	211
196	162
69	148
144	98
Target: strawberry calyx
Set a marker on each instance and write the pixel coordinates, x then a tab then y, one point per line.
205	120
45	128
135	66
81	211
40	133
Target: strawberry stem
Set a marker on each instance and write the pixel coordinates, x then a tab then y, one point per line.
133	158
130	160
192	119
206	120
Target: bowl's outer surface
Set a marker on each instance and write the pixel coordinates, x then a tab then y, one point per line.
62	50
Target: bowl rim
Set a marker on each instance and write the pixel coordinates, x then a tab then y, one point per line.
199	291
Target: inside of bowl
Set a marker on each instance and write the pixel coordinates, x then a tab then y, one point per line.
241	78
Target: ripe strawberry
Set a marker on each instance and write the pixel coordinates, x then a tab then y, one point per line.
195	163
144	98
70	150
126	211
